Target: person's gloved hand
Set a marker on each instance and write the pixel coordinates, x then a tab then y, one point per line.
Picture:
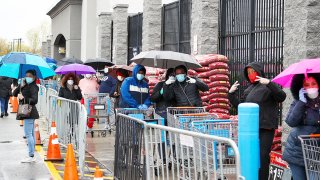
191	80
143	107
302	96
20	96
161	91
170	80
234	87
262	80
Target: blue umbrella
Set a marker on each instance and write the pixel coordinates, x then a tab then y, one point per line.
50	60
15	65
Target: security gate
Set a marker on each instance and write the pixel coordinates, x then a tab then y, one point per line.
252	30
134	35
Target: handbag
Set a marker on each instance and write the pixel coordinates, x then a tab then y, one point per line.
24	111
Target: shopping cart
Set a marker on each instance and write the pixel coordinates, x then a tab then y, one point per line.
311	155
171	111
183	121
100	107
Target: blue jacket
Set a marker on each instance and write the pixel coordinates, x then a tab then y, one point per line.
107	84
304	120
133	91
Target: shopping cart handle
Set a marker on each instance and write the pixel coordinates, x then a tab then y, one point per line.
196	114
314	135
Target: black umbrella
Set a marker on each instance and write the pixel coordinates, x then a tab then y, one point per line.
66	61
98	63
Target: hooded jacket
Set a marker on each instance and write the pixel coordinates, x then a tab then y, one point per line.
185	93
267	97
134	92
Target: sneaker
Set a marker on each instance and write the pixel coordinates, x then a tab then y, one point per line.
6	114
29	160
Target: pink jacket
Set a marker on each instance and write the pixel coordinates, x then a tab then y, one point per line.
89	86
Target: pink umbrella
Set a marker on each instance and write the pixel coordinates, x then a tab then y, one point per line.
303	67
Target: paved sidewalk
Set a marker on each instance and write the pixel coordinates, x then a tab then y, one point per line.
13	148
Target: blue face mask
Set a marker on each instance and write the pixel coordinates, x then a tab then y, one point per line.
181	77
29	80
140	77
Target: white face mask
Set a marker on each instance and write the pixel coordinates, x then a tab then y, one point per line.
70	82
120	78
313	93
88	76
172	78
106	70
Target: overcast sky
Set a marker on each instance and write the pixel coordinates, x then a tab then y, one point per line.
18	16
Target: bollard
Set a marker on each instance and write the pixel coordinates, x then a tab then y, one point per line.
248	132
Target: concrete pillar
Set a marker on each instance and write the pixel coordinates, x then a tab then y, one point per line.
88	29
48	48
120	34
204	26
151	26
104	36
44	48
301	40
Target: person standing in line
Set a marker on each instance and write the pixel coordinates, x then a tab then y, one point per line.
27	93
107	82
304	118
121	76
268	96
5	92
69	87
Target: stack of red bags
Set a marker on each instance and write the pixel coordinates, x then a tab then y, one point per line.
276	144
152	75
215	73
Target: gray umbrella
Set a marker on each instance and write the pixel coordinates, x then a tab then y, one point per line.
165	59
68	60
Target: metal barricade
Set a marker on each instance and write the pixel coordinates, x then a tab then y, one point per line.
151	151
311	155
50	92
42	100
101	107
71	121
171	111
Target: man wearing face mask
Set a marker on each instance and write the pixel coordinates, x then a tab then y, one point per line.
268	96
304	118
107	82
121	75
184	89
89	85
135	90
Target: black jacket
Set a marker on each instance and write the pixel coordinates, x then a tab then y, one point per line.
75	94
161	102
5	87
184	92
30	94
267	97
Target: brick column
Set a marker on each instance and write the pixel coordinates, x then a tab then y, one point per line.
204	26
120	34
151	26
104	36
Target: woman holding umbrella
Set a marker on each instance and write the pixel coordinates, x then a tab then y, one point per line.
304	118
69	87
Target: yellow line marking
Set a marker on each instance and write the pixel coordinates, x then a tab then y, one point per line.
90	168
88	175
49	164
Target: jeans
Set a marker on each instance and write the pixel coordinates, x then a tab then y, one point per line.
298	172
4	104
29	132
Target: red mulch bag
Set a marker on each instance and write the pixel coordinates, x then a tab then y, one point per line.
276	147
205	98
192	72
219	95
150	91
206	93
220	105
276	140
219	77
207	59
205	104
218	110
218	65
223	116
234	118
205	80
219	89
213	72
219	83
219	100
202	69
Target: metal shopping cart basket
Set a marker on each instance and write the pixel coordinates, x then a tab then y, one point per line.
311	155
171	111
183	121
100	107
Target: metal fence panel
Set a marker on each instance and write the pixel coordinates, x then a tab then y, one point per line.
251	30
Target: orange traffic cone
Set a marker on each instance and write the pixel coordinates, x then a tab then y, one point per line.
15	105
70	168
53	153
98	174
21	122
37	134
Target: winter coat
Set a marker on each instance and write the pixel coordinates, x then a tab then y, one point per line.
5	87
118	90
267	97
107	84
134	92
161	103
74	95
304	120
185	93
30	94
89	86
